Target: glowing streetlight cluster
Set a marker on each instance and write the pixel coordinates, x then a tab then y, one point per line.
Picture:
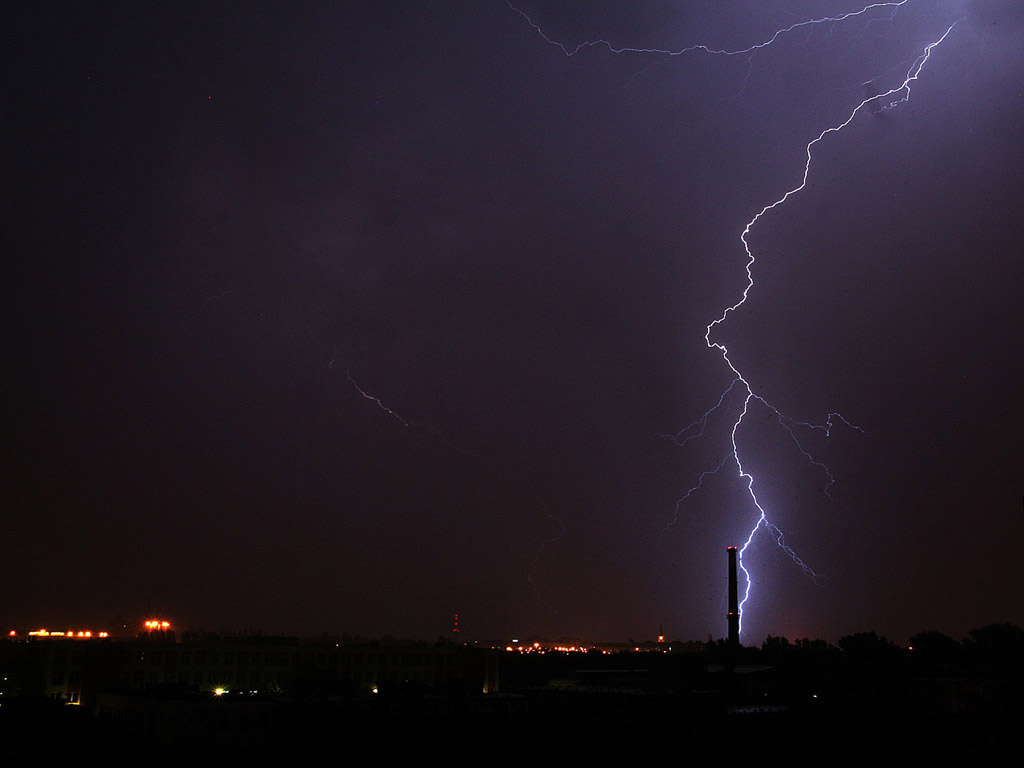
81	634
542	649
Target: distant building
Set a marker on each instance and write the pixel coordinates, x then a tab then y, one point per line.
58	667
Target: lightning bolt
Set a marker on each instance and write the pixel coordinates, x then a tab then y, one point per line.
389	411
883	101
895	96
705	48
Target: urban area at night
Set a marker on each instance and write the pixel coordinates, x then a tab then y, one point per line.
514	379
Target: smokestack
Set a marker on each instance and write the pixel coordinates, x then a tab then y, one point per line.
734	600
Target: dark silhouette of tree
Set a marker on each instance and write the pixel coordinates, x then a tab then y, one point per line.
869	649
935	654
776	649
998	648
871	665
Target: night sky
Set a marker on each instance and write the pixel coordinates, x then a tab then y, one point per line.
228	231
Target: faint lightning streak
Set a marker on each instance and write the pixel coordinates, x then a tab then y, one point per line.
788	424
688	494
568	51
686	434
405	422
409	423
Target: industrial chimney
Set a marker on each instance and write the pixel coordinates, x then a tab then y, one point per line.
734	601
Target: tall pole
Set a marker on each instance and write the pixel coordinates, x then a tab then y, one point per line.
734	601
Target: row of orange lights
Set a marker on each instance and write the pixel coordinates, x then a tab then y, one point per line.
83	633
152	624
538	648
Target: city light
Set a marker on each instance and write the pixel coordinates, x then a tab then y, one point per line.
81	634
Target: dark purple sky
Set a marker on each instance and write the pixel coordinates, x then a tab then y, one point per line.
222	225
